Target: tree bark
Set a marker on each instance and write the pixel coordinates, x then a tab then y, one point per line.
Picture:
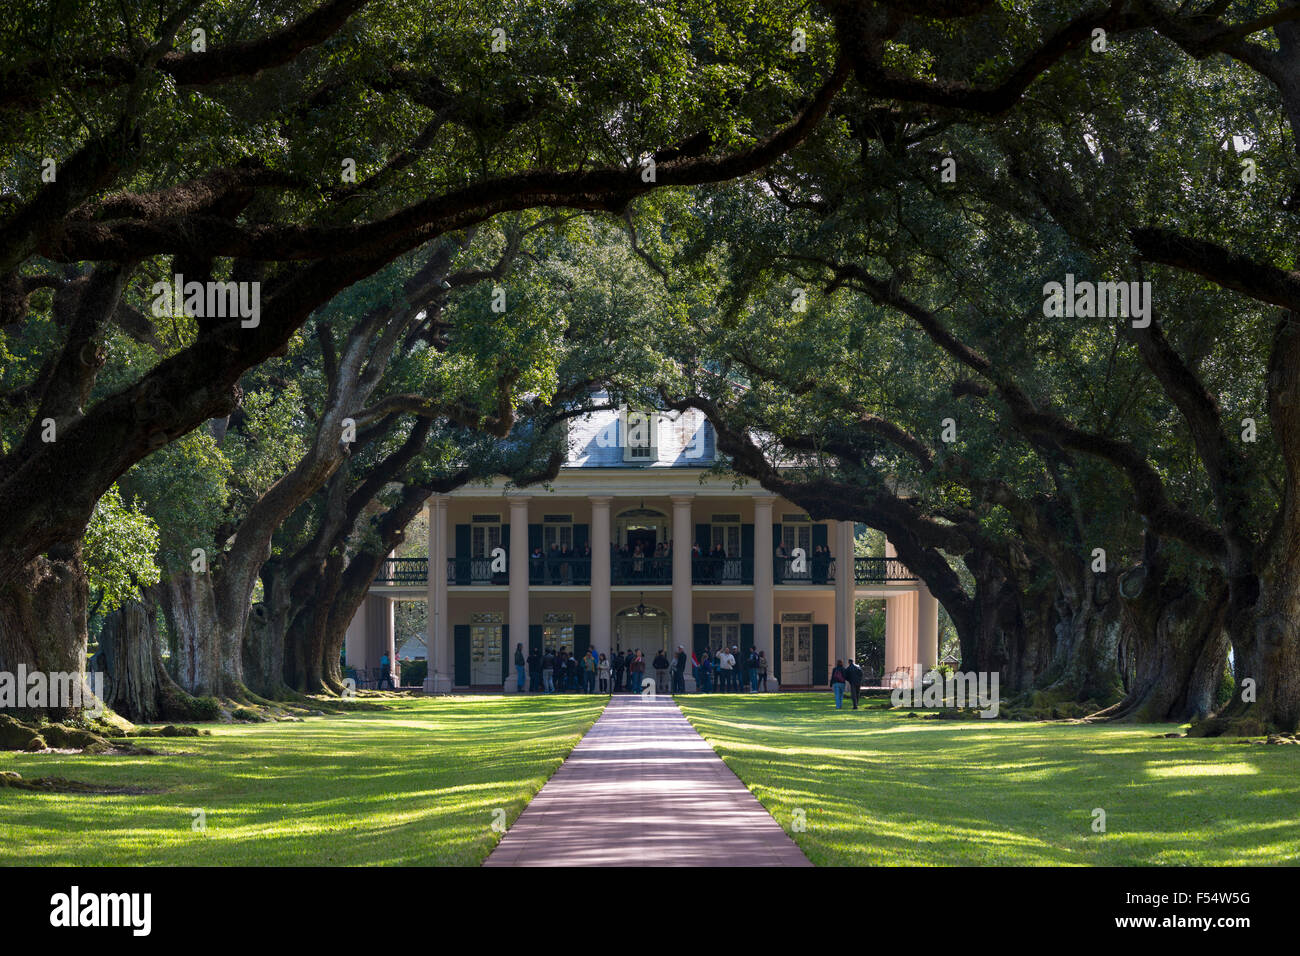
43	620
1179	644
136	682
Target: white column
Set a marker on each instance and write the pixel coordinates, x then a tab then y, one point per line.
682	611
927	634
438	636
518	586
601	631
763	583
845	589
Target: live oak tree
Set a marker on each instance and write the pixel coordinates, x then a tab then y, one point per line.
305	151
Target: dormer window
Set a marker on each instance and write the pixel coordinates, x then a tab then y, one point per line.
640	436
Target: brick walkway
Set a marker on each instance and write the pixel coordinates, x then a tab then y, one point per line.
642	788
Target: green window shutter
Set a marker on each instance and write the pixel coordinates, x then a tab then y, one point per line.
820	535
775	665
534	537
534	638
821	644
747	553
581	639
701	637
460	638
462	555
704	538
580	535
746	641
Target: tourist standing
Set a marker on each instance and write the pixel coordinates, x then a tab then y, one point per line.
534	671
589	672
385	672
837	684
679	674
602	672
853	674
762	670
616	671
753	664
661	671
548	670
520	660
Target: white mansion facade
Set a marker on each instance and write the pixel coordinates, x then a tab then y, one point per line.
639	544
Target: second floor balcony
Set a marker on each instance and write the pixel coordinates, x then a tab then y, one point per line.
572	570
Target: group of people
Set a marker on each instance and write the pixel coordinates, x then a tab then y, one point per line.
846	675
819	564
719	670
561	565
728	670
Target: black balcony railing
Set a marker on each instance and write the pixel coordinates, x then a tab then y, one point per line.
653	570
474	571
816	569
403	571
560	570
641	569
720	571
879	570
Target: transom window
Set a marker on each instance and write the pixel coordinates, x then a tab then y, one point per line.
796	532
557	531
796	638
724	630
726	534
485	535
557	630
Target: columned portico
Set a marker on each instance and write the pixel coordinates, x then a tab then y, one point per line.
600	572
518	586
440	677
927	628
682	616
845	598
763	557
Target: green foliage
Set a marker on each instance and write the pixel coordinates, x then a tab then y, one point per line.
118	550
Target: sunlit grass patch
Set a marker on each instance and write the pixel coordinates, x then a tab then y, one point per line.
880	788
415	784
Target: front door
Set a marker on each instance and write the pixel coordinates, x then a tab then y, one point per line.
647	633
796	649
485	638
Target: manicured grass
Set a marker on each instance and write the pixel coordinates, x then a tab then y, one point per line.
415	784
880	788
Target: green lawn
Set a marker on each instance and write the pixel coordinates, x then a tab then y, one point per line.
879	788
415	784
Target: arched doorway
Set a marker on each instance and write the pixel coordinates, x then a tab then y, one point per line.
642	628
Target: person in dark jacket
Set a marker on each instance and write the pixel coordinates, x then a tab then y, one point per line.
679	675
616	671
534	671
661	672
853	675
548	670
519	668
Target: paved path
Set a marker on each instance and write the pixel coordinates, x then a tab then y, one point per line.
642	788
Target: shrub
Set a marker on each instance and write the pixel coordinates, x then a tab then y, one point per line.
414	672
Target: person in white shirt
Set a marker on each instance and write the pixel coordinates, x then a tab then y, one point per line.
725	665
